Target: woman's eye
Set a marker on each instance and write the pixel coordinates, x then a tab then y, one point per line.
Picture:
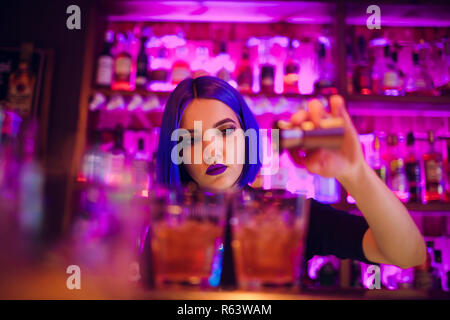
228	131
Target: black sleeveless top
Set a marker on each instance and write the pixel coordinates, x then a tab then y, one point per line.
335	232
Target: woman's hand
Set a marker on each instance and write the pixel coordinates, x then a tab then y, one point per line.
392	237
340	164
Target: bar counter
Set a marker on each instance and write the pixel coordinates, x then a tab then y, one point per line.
50	283
309	294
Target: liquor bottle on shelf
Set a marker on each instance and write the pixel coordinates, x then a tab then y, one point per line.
202	61
267	68
379	69
328	275
21	82
117	159
306	281
326	189
142	65
122	65
93	165
376	162
447	173
160	71
437	272
439	71
180	68
432	159
355	274
412	167
448	280
291	71
397	176
349	66
105	62
245	73
392	78
141	168
326	83
418	82
362	73
2	116
444	84
31	183
224	63
423	278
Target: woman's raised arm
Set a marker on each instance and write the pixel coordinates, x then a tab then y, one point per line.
392	237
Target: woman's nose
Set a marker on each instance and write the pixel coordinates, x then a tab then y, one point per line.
212	152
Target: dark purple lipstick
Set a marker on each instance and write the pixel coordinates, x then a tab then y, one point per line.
216	169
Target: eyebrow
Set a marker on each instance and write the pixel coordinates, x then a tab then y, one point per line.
218	123
224	121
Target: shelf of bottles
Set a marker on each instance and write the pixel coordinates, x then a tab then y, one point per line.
433	275
398	62
278	67
397	88
141	63
22	180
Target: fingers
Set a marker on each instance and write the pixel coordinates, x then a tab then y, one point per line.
337	106
298	117
310	118
316	111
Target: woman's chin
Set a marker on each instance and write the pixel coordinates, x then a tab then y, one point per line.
220	185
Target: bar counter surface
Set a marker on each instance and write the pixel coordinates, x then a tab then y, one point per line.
53	284
309	294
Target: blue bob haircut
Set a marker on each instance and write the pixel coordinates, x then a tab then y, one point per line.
205	87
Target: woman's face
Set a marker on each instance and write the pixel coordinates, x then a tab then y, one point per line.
215	172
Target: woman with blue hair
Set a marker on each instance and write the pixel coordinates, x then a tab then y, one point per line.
385	234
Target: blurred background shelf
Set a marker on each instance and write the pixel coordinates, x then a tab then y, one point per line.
402	14
316	12
399	106
445	100
143	92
